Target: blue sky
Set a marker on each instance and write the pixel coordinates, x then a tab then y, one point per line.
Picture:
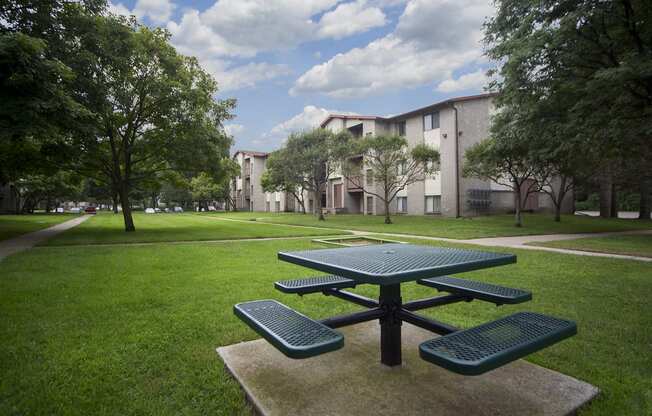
291	62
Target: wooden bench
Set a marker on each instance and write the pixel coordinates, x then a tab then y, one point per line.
478	290
488	346
291	332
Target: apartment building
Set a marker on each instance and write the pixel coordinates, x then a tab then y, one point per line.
452	126
246	190
247	193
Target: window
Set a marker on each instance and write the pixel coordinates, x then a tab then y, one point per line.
369	177
401	204
277	206
400	128
267	206
431	121
433	204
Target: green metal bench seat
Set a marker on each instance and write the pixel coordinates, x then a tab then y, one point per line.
478	290
314	284
292	333
488	346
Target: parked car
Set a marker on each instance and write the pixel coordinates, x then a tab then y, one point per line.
157	210
60	210
75	210
178	209
150	211
90	210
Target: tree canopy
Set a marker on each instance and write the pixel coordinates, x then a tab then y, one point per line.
104	96
387	166
577	78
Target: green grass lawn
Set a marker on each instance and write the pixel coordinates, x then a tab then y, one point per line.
458	228
15	225
633	245
133	329
109	229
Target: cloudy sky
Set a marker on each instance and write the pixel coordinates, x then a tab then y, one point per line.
291	62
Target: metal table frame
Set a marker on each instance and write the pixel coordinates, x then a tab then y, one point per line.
391	313
389	308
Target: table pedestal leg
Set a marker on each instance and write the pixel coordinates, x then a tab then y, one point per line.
390	325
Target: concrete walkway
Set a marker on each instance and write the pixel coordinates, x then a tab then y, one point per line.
519	242
29	240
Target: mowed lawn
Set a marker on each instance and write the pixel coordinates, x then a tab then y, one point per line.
456	228
108	228
133	329
15	225
633	245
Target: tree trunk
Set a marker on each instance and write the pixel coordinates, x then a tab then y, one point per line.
606	189
518	220
388	219
154	201
126	208
644	205
319	212
614	202
115	198
560	198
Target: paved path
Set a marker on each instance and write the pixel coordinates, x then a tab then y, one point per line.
519	242
29	240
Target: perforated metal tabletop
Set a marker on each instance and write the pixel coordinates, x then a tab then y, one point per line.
387	264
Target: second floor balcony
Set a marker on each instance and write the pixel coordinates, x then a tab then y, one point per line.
354	183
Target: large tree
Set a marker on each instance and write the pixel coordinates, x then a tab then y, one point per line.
38	107
281	176
153	109
505	159
592	60
312	155
383	166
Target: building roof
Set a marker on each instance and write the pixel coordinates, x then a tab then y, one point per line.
442	104
251	153
410	113
347	117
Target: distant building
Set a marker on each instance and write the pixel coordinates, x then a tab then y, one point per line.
452	126
246	190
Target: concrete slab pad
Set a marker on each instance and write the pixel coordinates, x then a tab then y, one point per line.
351	381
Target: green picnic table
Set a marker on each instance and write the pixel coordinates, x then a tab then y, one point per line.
471	351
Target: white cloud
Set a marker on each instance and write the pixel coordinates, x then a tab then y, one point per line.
158	11
234	129
242	28
309	118
119	9
246	27
244	76
432	39
472	81
350	18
